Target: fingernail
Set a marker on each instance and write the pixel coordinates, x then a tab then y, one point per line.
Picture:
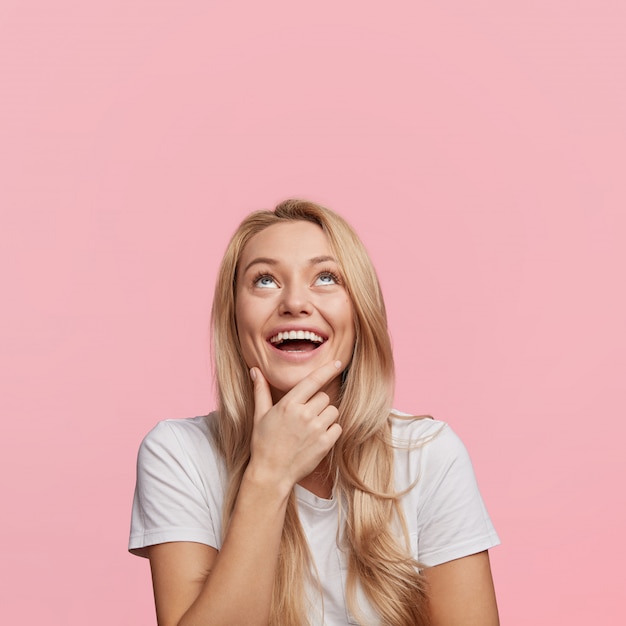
253	373
337	364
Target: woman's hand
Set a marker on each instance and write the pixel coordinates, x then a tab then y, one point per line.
290	438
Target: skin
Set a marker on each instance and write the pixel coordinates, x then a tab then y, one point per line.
286	284
462	592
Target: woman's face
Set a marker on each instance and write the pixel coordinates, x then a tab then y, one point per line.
293	312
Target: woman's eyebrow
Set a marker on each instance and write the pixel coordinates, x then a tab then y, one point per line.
316	260
322	259
260	259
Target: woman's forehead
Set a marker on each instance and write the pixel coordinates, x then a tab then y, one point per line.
294	241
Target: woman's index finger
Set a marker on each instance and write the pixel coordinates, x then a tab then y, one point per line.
312	383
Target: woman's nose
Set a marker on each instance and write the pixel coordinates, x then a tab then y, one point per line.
295	300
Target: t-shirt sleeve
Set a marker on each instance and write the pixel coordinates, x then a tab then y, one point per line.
452	519
170	501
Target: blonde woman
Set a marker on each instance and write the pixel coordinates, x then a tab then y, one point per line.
305	499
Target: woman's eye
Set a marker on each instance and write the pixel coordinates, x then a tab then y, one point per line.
326	279
265	282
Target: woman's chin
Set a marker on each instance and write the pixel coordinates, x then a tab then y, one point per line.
282	386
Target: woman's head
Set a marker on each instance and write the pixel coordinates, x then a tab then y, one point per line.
340	257
292	310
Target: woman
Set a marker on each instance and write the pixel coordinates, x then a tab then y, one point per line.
304	499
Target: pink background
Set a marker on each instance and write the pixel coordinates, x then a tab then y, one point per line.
479	149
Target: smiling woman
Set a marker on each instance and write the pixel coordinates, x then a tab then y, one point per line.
305	498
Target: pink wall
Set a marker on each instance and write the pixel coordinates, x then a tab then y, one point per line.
479	148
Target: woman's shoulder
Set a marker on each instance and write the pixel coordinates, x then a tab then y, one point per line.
191	426
425	438
407	426
179	485
190	434
445	513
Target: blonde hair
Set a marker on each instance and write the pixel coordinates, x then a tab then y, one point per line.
376	539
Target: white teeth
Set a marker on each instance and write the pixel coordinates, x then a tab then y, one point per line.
296	334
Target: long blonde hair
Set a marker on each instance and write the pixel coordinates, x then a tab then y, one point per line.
376	540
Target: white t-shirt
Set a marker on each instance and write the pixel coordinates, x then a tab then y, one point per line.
181	483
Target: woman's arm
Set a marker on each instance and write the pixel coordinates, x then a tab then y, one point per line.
195	585
462	593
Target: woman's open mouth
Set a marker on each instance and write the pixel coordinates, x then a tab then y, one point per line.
297	341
